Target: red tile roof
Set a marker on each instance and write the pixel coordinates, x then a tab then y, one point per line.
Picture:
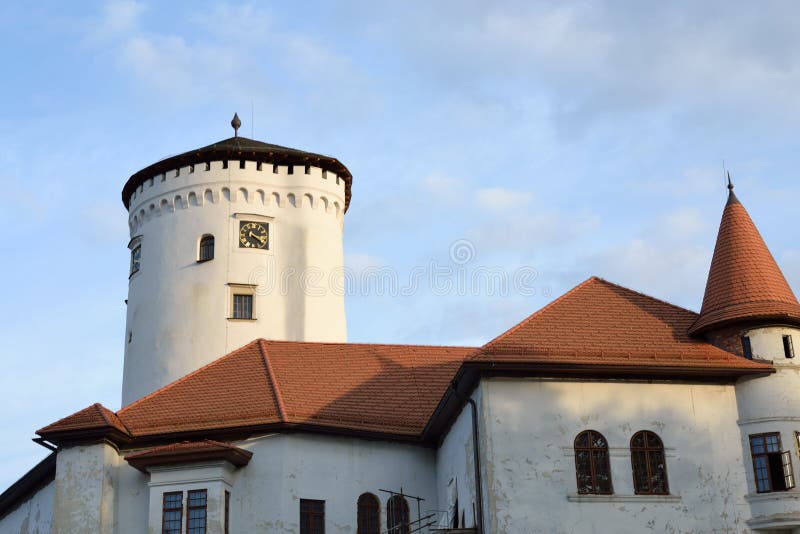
603	325
189	451
744	281
95	417
390	389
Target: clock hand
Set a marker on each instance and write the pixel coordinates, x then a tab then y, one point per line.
260	238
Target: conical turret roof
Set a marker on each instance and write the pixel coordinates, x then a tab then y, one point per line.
744	283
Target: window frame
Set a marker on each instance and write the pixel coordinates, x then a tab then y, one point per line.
786	462
747	347
248	290
391	515
190	508
648	450
207	242
309	513
593	469
364	508
136	259
165	510
788	346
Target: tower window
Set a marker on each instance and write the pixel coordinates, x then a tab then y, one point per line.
308	169
177	172
771	466
258	165
206	248
290	169
242	306
324	174
208	165
225	164
592	466
172	513
191	169
788	347
196	512
649	464
274	168
241	164
312	516
747	348
136	259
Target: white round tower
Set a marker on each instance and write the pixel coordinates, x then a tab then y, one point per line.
750	309
231	242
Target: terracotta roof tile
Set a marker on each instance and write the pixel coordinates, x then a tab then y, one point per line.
95	417
744	281
188	451
390	389
602	324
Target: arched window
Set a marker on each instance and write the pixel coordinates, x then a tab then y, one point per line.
397	518
369	511
206	248
649	464
591	463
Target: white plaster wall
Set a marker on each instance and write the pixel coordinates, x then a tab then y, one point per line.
455	465
85	490
33	516
530	426
265	495
178	309
772	404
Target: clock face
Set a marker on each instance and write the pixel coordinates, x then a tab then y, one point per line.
253	235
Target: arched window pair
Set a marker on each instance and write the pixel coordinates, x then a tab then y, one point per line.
369	511
593	469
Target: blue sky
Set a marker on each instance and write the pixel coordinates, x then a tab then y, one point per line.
574	139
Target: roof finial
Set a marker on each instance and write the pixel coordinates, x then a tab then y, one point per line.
730	183
236	123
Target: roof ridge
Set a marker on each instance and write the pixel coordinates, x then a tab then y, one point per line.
651	297
364	344
186	377
276	389
104	414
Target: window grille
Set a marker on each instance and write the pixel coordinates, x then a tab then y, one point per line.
243	306
649	464
592	467
312	516
196	512
368	514
398	520
172	513
206	248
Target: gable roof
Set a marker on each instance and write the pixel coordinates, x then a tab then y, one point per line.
744	281
237	148
598	324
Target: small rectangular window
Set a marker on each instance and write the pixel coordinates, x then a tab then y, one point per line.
275	168
241	164
788	347
324	174
172	513
163	177
772	467
290	169
136	259
242	306
208	165
308	169
177	172
191	169
225	164
227	512
258	165
196	512
747	348
312	516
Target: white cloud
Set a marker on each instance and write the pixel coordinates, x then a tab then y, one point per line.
442	186
117	18
499	199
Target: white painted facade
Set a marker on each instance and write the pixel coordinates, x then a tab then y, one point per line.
179	310
34	516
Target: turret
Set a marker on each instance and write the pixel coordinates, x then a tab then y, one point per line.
749	309
231	242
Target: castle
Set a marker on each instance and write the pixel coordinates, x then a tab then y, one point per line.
245	410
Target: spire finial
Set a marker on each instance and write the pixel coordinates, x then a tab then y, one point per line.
730	183
236	123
